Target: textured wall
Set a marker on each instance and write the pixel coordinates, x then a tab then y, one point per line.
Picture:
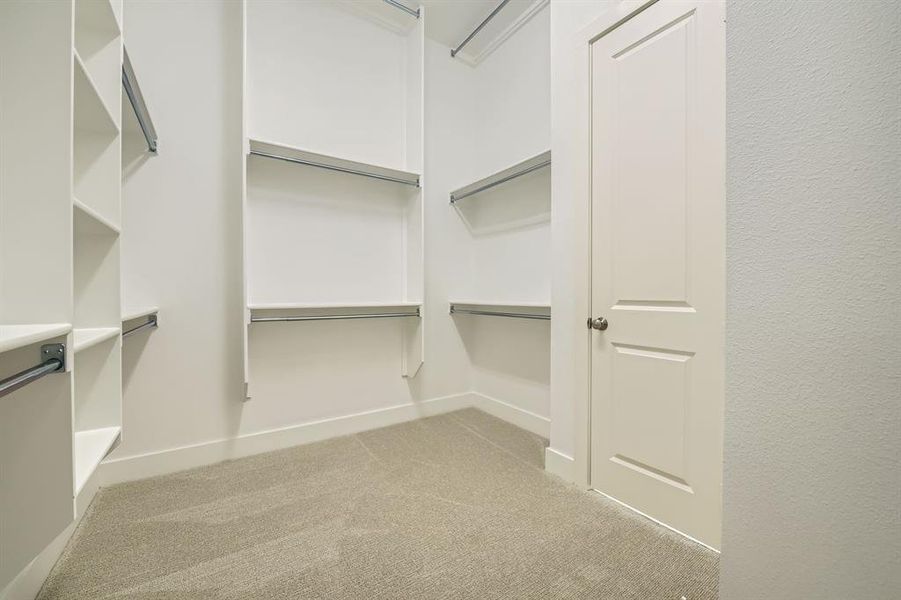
812	490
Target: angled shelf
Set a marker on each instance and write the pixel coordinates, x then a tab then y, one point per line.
90	447
91	111
517	310
518	170
332	163
86	337
332	311
13	337
88	221
139	312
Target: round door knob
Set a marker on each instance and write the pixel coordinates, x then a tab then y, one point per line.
600	323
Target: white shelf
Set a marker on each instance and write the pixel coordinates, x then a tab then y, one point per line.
335	305
90	222
19	336
519	169
136	313
90	447
87	337
494	303
91	112
332	163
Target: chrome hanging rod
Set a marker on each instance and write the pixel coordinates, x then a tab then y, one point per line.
492	313
320	165
403	7
53	357
523	168
335	317
152	321
479	28
136	98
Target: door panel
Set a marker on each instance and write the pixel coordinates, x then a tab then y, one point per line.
658	264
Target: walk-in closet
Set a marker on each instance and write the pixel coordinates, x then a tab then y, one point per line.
476	299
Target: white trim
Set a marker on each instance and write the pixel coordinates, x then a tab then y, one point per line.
559	464
661	523
141	466
504	35
515	415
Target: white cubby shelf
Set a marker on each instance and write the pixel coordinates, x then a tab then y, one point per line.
90	447
91	336
90	222
92	112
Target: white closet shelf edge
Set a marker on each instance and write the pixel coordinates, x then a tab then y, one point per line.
90	448
301	306
91	336
300	155
19	336
91	221
137	313
100	118
546	305
521	168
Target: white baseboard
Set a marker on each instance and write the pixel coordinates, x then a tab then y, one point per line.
559	464
130	468
520	417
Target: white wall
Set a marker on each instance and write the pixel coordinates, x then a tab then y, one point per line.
181	251
510	227
812	484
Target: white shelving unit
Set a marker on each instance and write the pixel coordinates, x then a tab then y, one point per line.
96	207
333	215
91	446
59	261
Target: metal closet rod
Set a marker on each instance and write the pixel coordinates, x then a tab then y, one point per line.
152	321
136	98
479	28
312	163
54	359
403	7
496	313
335	317
488	186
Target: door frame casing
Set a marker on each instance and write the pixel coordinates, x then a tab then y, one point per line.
581	170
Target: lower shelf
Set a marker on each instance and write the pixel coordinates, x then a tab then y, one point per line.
84	338
90	447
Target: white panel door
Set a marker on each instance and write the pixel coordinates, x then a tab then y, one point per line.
658	264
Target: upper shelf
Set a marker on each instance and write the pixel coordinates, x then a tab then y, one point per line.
136	313
331	305
19	336
332	163
91	111
519	169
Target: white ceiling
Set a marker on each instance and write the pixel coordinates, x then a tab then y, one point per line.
448	22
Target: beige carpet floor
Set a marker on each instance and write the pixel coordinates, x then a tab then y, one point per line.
451	507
